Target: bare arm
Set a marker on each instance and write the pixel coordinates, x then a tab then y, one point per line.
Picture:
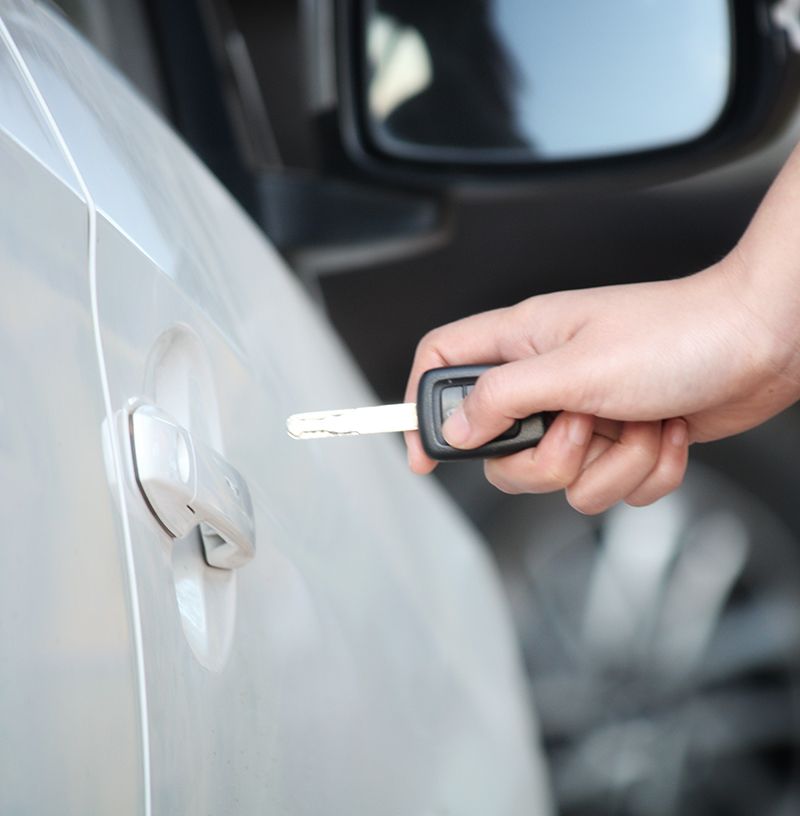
637	371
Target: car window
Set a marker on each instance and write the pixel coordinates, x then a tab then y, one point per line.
120	30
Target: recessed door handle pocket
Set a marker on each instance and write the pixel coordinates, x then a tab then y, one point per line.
186	483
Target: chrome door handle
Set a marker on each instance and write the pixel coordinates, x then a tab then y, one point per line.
186	483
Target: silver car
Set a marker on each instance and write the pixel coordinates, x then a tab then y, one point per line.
197	614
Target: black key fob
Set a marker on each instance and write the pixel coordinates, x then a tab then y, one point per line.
440	392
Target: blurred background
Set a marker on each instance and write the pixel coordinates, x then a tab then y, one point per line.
416	162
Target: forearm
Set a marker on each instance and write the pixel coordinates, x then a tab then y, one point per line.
764	267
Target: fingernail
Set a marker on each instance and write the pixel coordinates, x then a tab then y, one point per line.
456	430
679	433
578	430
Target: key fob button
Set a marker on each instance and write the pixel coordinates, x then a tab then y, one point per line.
451	397
440	392
511	432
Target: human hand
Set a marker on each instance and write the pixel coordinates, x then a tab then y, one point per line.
638	372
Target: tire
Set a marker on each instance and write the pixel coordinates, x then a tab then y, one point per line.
662	644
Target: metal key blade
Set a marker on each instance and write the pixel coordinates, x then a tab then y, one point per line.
353	421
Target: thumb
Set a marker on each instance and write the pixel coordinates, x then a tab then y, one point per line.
548	382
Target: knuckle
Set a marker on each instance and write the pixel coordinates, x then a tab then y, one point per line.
555	477
585	502
429	341
498	479
672	478
642	499
666	480
431	337
486	394
509	489
586	392
643	452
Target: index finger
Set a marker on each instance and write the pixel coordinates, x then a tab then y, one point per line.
481	338
475	339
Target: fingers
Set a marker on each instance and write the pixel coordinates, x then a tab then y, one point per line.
670	469
472	340
619	471
553	465
493	337
482	338
502	395
638	462
548	382
418	460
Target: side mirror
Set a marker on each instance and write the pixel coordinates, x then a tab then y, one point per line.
549	80
488	86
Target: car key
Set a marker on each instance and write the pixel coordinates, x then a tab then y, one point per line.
440	392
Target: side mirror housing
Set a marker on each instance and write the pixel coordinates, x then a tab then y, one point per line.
507	91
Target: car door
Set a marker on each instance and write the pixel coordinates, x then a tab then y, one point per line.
71	739
363	660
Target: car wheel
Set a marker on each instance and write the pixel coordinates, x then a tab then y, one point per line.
663	649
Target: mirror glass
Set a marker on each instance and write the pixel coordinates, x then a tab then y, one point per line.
543	80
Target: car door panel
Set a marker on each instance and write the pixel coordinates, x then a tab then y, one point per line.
69	678
363	661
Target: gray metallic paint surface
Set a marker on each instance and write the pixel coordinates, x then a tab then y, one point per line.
364	661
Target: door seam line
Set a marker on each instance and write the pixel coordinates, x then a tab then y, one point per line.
55	132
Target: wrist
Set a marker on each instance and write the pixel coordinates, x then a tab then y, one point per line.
763	304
